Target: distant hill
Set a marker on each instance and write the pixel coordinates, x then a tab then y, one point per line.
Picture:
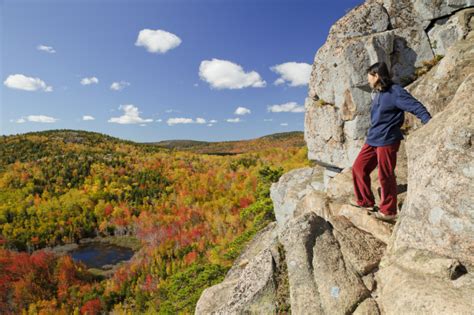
282	139
34	146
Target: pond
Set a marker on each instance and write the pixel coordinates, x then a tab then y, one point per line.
99	254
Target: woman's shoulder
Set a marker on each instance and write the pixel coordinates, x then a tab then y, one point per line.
396	86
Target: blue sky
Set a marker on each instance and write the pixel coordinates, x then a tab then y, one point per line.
159	70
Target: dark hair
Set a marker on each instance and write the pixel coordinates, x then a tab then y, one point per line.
385	80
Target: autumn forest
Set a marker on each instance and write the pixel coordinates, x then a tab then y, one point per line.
190	207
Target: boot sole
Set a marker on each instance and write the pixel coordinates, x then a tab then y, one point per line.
384	219
369	209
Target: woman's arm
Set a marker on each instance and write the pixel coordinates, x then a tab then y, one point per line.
406	102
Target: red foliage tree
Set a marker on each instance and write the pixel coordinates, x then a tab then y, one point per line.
66	275
91	307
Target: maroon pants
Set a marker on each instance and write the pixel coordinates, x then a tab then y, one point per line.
364	164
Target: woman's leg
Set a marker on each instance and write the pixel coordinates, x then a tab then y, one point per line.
364	164
387	160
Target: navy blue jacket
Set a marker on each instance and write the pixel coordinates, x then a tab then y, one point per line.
387	115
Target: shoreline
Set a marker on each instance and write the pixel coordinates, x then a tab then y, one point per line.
124	241
127	241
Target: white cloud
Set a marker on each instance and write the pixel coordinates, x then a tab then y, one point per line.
131	116
182	120
284	124
19	120
211	122
267	119
159	120
223	74
22	82
296	73
179	120
87	117
88	81
35	118
117	86
290	107
242	111
195	84
157	41
45	48
234	120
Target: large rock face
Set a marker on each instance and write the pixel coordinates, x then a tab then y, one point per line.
429	263
418	282
339	259
405	13
436	89
446	31
250	286
337	108
438	214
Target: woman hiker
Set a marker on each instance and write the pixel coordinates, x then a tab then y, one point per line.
389	102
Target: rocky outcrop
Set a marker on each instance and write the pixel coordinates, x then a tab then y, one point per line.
438	215
326	263
298	239
380	230
419	282
250	285
446	31
292	188
337	258
404	13
340	288
436	88
330	263
397	32
428	266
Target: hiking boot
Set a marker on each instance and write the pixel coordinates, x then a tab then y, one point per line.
353	202
390	218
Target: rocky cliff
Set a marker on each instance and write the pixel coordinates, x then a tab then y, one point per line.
323	256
